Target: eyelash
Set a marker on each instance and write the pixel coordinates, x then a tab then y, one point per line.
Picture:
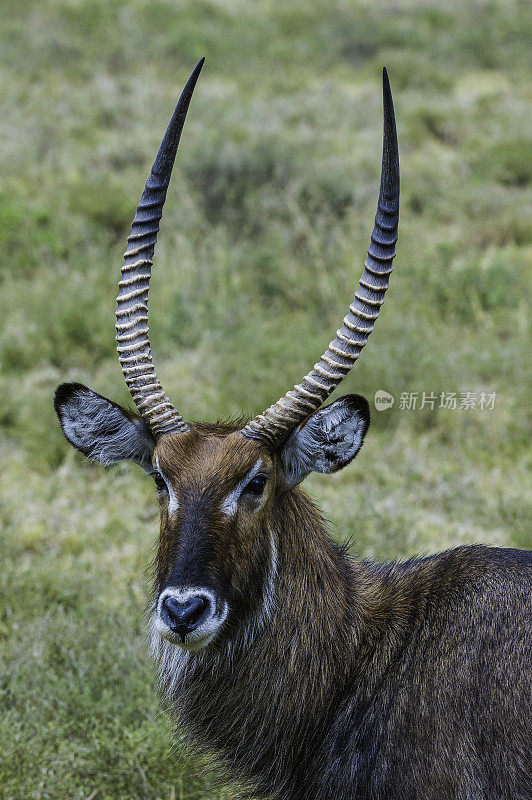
159	481
256	485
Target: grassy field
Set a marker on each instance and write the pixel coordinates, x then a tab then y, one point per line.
268	219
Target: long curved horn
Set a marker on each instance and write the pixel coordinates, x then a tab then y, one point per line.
277	422
133	344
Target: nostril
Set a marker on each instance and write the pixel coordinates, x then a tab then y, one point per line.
183	616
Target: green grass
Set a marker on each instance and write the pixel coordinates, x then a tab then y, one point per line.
265	230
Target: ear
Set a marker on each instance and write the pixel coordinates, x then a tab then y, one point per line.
328	440
101	429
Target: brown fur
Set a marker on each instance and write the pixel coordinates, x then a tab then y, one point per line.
300	705
321	676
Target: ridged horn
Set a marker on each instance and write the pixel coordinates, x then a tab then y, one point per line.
133	344
280	419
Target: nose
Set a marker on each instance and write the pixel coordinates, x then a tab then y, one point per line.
184	616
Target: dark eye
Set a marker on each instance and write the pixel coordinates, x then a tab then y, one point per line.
159	480
256	485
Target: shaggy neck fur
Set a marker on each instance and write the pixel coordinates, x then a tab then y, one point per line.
261	699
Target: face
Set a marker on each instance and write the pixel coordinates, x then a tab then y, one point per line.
220	497
215	553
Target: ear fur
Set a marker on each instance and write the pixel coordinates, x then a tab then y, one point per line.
101	429
328	440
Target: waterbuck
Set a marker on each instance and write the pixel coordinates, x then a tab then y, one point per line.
308	674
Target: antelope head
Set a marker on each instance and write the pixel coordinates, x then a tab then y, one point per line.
223	489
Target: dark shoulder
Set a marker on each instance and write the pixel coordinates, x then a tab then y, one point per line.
477	559
466	574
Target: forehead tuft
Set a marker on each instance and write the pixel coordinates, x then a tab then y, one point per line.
207	449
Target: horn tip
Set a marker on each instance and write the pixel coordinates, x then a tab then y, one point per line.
390	163
386	90
197	69
191	83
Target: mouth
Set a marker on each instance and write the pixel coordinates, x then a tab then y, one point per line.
190	642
